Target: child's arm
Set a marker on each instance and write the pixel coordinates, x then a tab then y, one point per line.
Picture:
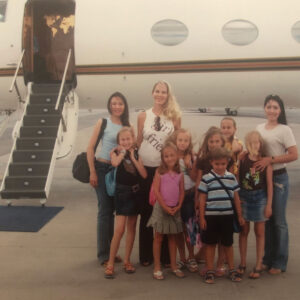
202	201
181	195
138	164
269	175
237	146
198	179
194	171
156	187
237	204
117	157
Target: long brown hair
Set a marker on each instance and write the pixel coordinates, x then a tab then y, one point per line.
163	168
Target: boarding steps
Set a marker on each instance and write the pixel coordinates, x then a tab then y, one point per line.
30	167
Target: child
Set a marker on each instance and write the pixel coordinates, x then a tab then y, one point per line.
165	219
216	212
228	129
183	140
256	196
129	167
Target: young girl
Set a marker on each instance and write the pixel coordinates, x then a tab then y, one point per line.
183	140
228	129
165	219
129	167
213	139
256	195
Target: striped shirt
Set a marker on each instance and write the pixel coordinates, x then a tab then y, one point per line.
218	201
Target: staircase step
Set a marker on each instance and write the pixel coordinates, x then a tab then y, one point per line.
41	120
28	169
25	182
34	131
32	156
44	109
44	99
35	144
48	88
20	194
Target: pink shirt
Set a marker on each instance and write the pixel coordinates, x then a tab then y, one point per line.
169	188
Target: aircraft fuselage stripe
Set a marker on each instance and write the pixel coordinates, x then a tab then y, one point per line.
237	65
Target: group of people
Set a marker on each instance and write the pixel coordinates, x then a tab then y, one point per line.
181	195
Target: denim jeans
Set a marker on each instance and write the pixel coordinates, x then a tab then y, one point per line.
276	231
105	218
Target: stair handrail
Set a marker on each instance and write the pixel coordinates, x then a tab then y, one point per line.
63	80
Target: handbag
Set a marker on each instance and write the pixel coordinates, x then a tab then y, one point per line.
81	169
110	181
237	228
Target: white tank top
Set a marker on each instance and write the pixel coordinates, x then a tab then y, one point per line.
153	140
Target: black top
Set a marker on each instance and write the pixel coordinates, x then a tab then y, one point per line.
127	174
249	178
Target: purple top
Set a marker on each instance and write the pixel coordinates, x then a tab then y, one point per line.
169	188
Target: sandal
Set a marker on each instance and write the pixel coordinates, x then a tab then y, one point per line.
192	265
234	276
109	272
255	274
241	270
181	265
145	263
129	268
158	275
209	277
220	272
178	273
274	271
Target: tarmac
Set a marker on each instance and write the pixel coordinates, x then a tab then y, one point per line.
59	262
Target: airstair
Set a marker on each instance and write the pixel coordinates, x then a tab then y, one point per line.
42	131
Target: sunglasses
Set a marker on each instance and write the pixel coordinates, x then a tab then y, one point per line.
157	125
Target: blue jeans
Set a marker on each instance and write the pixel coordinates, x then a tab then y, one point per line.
276	230
105	219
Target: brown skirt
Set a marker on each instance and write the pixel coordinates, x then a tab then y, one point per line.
164	223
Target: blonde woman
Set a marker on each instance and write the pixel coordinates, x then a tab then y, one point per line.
155	125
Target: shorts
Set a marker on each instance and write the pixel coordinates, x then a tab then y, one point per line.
188	207
219	229
126	200
253	204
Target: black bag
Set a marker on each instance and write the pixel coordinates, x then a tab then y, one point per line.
80	169
237	228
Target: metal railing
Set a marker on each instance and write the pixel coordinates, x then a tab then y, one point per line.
63	80
14	81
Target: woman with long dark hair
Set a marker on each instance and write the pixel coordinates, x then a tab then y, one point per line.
119	116
280	149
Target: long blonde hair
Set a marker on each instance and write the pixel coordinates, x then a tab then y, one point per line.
163	168
173	139
171	109
248	139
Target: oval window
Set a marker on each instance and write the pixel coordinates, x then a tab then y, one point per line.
2	10
296	31
169	32
240	32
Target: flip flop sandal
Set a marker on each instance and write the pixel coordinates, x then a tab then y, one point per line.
129	268
192	265
220	272
158	275
234	276
209	277
241	270
255	274
178	273
109	272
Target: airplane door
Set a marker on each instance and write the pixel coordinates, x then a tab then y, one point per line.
48	34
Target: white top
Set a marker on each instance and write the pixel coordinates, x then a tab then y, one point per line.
188	182
153	140
277	141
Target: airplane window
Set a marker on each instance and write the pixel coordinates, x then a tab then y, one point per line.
240	32
169	32
296	31
2	10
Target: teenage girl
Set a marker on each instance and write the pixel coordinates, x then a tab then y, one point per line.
165	219
256	195
129	167
232	143
183	140
213	139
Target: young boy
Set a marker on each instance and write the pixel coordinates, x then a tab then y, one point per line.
216	212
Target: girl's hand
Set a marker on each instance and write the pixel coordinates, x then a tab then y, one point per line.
203	224
241	220
262	163
168	210
188	161
242	155
93	179
236	146
268	211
